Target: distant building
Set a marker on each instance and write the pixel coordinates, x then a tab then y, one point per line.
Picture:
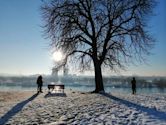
54	72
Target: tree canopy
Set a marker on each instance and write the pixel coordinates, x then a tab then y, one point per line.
106	33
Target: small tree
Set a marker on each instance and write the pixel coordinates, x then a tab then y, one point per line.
105	33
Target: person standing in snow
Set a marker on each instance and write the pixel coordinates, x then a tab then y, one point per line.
133	83
39	83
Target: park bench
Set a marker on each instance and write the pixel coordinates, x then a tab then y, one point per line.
56	88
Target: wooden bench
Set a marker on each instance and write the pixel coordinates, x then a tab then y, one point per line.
56	88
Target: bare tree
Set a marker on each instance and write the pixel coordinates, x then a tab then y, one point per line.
105	33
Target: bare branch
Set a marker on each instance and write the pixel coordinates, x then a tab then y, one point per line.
107	32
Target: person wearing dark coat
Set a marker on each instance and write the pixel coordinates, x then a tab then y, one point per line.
133	84
39	84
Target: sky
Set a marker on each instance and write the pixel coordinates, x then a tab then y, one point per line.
25	51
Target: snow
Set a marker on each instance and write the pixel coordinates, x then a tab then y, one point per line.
85	108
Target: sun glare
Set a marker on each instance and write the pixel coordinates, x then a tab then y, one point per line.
57	56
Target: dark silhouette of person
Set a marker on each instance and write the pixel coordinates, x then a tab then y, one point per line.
133	83
39	83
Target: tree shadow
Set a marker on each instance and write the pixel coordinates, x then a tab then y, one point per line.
18	107
150	111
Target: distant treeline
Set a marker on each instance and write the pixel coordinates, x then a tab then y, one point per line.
161	82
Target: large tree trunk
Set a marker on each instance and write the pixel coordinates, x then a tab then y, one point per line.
98	78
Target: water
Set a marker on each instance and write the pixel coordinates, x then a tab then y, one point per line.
84	88
29	83
124	90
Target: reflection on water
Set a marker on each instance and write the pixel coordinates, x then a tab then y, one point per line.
124	90
85	88
82	83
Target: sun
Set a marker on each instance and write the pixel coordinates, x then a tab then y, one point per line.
57	56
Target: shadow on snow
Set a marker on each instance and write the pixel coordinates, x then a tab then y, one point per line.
55	95
150	111
18	107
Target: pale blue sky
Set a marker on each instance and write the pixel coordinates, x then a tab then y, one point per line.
24	51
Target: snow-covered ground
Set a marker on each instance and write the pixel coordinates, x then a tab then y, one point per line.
82	108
